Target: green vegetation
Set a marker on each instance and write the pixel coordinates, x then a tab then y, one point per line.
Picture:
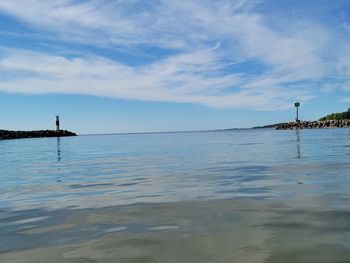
337	116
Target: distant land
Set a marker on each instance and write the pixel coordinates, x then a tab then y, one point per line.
270	126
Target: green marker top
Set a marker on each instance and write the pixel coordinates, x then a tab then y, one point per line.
297	104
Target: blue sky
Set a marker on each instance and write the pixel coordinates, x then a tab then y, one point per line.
135	66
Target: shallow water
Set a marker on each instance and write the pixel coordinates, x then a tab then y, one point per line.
228	196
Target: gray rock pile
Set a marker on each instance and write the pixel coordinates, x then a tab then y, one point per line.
4	134
314	124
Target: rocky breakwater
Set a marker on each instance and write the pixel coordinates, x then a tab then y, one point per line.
5	135
314	124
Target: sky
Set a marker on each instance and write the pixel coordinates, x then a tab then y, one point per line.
110	66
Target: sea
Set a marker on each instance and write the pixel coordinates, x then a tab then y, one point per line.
246	196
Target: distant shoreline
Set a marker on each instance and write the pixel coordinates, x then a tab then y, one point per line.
10	135
270	126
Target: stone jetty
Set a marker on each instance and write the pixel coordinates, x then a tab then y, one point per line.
5	135
314	124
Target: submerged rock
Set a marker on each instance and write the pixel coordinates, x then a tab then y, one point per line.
5	134
314	124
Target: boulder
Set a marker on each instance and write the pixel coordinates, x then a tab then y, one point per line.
314	124
5	134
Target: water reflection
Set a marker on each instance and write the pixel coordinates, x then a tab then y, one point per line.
58	149
297	132
266	231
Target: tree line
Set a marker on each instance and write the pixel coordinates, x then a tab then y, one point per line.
337	116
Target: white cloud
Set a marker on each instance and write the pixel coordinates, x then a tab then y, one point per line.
208	37
184	78
329	88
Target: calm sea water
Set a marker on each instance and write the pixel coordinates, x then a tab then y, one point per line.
229	196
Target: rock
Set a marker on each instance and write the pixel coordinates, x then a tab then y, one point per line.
5	134
314	125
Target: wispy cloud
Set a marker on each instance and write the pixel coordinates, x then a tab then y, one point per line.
210	43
